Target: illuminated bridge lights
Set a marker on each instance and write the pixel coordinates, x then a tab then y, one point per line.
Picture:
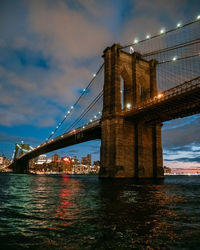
160	95
162	31
73	106
128	105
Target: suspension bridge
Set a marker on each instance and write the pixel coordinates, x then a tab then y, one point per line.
137	88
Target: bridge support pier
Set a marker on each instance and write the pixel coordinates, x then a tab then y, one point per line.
20	167
129	148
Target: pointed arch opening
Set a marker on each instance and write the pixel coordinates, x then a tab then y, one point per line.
125	89
122	91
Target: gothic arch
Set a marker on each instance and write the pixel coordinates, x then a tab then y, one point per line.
125	86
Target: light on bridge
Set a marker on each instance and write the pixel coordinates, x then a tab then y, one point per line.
198	17
160	95
131	50
72	107
174	58
83	126
83	90
162	31
68	112
94	75
136	40
95	116
178	25
90	120
148	36
128	105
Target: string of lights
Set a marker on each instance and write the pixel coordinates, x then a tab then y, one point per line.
69	112
175	58
91	105
163	31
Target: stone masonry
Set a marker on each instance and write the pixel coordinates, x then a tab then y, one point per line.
129	149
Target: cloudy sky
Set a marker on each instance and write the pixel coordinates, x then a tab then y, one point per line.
50	49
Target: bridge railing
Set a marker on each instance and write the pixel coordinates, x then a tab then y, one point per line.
162	96
68	134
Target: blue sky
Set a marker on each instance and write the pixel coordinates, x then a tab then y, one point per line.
50	49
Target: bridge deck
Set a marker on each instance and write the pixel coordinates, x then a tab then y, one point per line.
181	101
89	132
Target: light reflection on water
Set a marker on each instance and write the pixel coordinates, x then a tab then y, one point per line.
84	212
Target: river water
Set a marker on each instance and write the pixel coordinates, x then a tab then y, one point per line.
84	212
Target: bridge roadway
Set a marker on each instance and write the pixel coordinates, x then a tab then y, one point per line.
92	131
180	101
177	102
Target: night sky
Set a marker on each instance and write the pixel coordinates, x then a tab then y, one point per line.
49	51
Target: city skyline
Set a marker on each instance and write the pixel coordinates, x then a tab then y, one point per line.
45	64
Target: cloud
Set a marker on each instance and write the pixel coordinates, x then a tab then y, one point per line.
148	17
8	138
181	142
62	39
68	34
181	165
182	132
22	101
185	159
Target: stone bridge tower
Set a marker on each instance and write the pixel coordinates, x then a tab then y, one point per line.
128	148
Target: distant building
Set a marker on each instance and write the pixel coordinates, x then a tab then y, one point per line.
4	163
55	158
86	160
96	163
1	160
66	165
49	160
75	160
41	159
167	170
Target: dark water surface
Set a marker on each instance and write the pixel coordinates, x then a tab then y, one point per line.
84	212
